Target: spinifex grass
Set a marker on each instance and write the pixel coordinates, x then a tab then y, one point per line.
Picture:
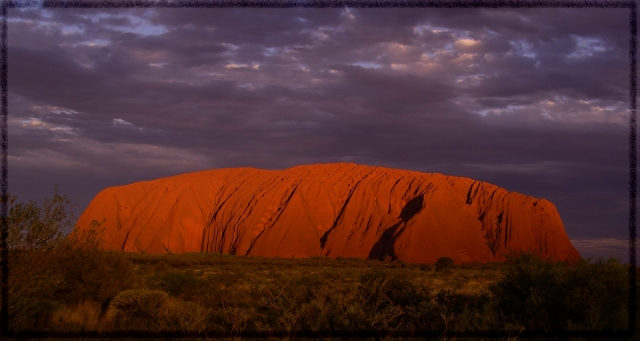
238	295
66	283
228	269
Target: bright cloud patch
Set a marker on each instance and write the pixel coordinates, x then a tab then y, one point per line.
36	123
242	66
158	64
119	121
471	80
33	123
523	48
427	28
368	65
138	24
71	29
467	42
96	43
586	47
565	109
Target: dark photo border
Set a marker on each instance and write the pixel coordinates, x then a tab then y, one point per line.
4	267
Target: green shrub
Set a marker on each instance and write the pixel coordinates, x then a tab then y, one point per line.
427	316
378	290
175	282
183	315
41	256
604	310
401	290
531	292
35	241
177	262
479	313
161	266
95	275
444	263
36	315
38	227
544	295
138	304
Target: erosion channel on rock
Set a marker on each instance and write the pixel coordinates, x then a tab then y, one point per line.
328	210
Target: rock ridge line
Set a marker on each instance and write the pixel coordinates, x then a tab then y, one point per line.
334	210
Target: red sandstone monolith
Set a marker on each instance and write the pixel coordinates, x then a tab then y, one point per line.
331	210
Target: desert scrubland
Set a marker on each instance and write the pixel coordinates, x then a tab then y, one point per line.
61	282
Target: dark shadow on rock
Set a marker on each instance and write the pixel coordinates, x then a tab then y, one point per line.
412	208
383	248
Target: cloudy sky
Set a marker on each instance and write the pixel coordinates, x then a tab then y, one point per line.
532	100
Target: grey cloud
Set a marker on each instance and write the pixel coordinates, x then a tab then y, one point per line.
265	88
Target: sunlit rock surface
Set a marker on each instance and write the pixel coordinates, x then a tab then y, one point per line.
328	210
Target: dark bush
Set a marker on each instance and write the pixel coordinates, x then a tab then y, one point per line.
479	313
382	292
543	295
47	265
444	263
161	266
95	275
596	295
175	282
38	227
403	292
531	292
37	314
138	304
35	242
178	263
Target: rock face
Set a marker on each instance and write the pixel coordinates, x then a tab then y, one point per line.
328	210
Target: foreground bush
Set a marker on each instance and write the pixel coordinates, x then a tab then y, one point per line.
541	295
138	303
444	263
35	243
50	269
94	275
84	316
533	294
154	309
184	316
177	283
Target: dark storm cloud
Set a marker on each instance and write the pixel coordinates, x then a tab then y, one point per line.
530	100
54	77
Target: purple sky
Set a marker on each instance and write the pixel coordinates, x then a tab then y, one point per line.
532	100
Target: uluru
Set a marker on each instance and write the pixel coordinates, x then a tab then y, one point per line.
329	210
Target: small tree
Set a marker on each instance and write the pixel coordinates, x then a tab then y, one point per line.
444	263
35	227
47	264
35	240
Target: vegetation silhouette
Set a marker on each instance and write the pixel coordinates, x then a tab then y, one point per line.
66	282
444	263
